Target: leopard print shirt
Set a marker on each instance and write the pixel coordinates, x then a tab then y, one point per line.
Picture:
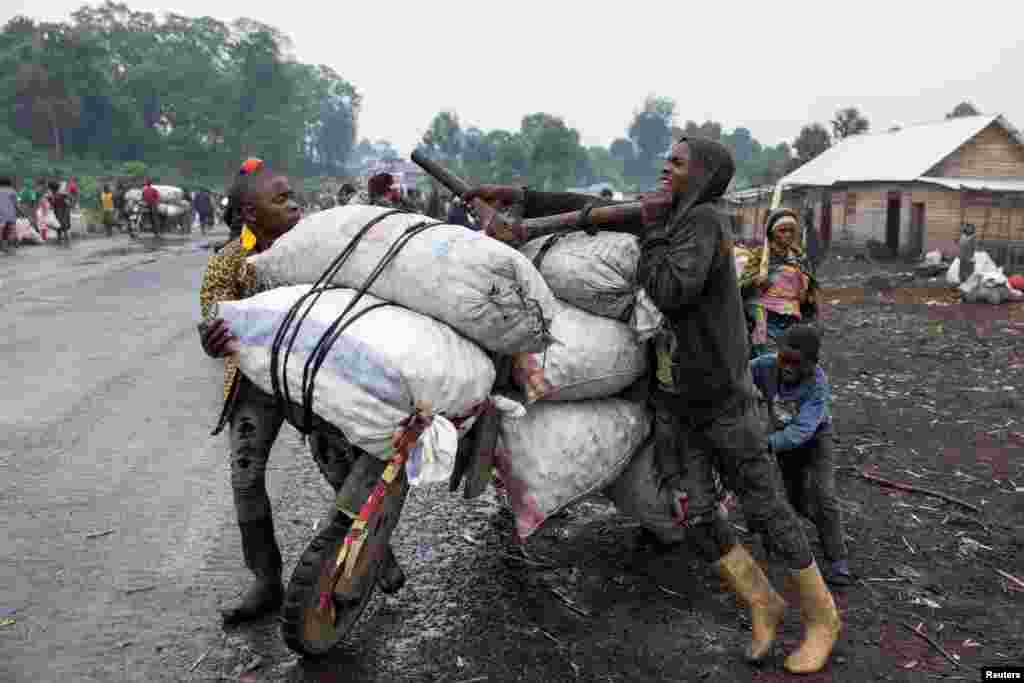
228	278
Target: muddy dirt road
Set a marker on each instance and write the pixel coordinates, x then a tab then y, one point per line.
120	544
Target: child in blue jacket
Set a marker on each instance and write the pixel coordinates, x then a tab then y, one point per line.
797	393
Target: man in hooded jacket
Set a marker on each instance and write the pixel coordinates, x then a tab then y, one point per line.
706	413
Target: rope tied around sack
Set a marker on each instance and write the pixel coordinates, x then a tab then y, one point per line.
279	366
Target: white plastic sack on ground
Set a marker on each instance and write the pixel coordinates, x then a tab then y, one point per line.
987	288
646	319
375	373
24	233
589	357
168	193
560	452
481	287
933	258
983	263
596	274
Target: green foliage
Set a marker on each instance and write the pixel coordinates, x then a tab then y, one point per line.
965	108
847	122
812	141
134	169
188	96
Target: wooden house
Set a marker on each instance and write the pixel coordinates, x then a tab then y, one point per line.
910	190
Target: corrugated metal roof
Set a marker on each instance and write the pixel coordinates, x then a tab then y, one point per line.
981	184
899	156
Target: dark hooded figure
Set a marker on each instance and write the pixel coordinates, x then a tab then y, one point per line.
706	413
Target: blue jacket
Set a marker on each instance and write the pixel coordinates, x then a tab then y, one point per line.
805	409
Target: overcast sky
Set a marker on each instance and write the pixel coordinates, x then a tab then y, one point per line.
771	67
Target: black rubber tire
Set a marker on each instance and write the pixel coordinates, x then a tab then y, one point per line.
303	593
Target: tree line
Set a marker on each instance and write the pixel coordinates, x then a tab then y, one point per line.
547	153
119	91
190	94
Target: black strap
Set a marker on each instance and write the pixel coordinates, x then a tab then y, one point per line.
331	335
546	247
282	394
337	328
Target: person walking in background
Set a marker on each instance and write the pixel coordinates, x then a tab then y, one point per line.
8	215
60	201
151	200
45	216
28	198
203	205
107	204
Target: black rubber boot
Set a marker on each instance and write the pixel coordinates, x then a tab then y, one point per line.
263	557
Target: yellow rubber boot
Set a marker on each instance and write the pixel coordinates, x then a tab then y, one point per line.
741	573
821	619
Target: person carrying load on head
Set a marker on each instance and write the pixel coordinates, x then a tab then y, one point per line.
787	294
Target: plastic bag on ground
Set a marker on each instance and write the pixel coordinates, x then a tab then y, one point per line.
561	452
594	273
589	357
378	369
933	258
24	233
485	289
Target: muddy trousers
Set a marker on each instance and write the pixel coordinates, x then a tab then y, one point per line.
809	476
256	420
734	445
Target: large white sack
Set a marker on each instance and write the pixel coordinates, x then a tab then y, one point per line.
589	357
170	210
596	273
375	373
168	193
560	452
481	287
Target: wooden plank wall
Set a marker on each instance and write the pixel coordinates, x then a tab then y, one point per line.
992	153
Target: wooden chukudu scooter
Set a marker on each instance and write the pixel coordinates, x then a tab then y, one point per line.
337	573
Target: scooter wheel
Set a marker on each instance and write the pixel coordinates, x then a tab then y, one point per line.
306	629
